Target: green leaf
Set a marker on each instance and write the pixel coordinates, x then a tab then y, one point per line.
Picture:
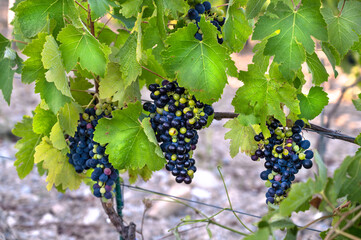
81	47
298	198
153	41
319	73
127	59
131	143
26	145
241	134
332	55
52	96
321	178
357	103
263	95
130	8
43	121
153	65
113	85
80	83
295	29
343	30
57	137
291	233
33	68
34	15
254	7
127	22
236	29
60	171
8	60
200	65
144	173
262	233
358	139
347	178
174	7
162	30
69	117
51	59
99	8
312	104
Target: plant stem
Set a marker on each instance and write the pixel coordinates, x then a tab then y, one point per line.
339	14
293	3
229	200
81	5
91	23
350	236
119	200
85	91
311	127
153	72
316	220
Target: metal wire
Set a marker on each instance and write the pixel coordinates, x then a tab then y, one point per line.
136	188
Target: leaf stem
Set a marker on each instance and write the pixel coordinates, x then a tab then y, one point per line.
293	3
222	5
343	5
152	72
81	5
85	91
19	41
229	200
350	236
91	23
101	30
316	220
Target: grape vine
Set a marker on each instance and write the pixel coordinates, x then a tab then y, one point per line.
89	61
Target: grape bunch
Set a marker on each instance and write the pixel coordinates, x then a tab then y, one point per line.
175	117
87	154
215	15
285	153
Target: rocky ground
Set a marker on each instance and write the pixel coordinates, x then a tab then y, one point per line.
28	211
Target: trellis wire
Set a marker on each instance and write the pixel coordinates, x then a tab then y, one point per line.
180	198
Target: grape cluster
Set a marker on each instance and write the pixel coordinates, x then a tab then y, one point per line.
175	117
285	153
216	16
86	154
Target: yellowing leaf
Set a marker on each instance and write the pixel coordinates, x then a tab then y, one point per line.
68	117
57	137
60	171
51	59
241	134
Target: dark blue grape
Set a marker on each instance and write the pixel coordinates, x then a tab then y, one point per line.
192	14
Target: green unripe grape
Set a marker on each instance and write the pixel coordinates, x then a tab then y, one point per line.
166	108
213	10
270	176
156	93
160	110
174	157
178	113
182	100
183	130
220	12
289	133
278	131
176	104
266	142
220	18
94	150
296	148
195	110
274	173
285	152
85	116
99	156
110	109
202	114
268	183
98	111
173	132
282	135
187	140
152	115
197	1
100	183
191	103
176	96
174	140
91	118
192	121
302	156
102	190
200	31
185	110
190	173
99	105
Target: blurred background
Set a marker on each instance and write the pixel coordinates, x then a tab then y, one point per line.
28	211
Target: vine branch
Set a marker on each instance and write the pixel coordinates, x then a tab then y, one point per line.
152	72
127	232
312	127
81	5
